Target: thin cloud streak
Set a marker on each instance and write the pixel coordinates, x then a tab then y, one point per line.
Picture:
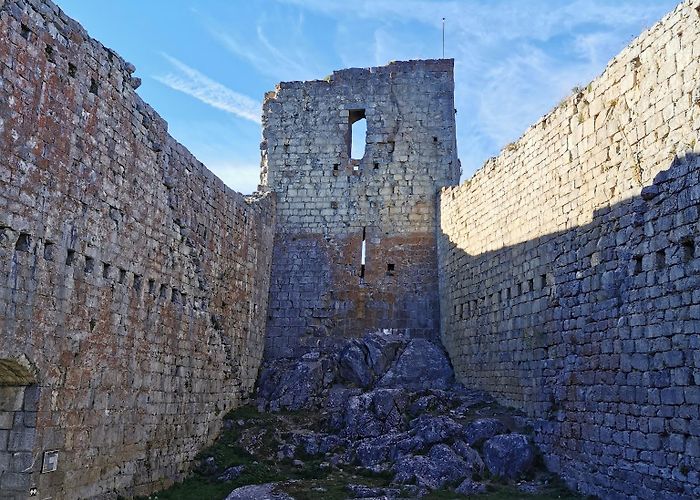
201	87
513	61
294	61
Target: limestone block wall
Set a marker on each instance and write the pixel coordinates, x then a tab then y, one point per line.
133	282
570	269
328	203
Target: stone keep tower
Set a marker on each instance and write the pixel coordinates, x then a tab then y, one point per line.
355	245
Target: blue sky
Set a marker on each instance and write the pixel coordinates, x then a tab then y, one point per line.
206	65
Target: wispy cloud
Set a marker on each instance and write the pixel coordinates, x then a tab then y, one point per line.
195	84
290	58
513	60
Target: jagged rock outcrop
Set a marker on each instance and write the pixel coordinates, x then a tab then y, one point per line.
390	404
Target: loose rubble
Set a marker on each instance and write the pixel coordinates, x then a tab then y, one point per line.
390	404
365	421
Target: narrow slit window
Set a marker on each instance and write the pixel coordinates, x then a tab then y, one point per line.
357	134
364	253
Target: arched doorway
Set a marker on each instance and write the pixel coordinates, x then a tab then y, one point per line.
19	396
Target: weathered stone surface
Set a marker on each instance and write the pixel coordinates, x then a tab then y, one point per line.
470	456
508	455
478	431
421	365
430	429
362	491
292	386
267	491
470	487
374	413
232	473
441	466
366	359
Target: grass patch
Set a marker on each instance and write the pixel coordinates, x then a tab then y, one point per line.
313	479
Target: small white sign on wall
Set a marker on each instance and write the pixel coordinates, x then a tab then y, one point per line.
50	462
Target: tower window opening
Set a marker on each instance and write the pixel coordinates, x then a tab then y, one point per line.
364	253
357	134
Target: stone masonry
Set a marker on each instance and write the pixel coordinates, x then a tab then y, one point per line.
138	293
570	271
133	282
328	203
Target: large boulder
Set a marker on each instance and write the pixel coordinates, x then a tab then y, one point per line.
508	455
378	450
440	467
374	413
422	365
267	491
431	429
363	491
364	360
336	403
470	487
285	385
470	456
478	431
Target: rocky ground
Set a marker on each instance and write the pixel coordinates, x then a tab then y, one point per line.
382	417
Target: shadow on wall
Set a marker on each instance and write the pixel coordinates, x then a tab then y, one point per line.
594	332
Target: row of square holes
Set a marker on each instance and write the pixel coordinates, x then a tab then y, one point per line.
687	247
51	57
23	244
497	297
688	254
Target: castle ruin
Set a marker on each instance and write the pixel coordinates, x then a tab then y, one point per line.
139	294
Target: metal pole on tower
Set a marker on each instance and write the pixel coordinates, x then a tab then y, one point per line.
443	37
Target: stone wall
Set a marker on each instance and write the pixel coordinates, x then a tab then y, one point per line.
570	269
132	280
328	202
